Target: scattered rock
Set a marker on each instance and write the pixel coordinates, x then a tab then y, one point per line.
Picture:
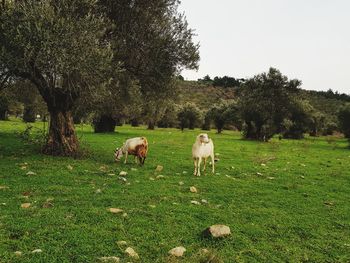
131	253
38	250
122	179
159	168
23	167
181	183
151	179
217	231
47	204
124	215
302	177
115	210
26	205
103	168
329	203
133	169
98	191
69	167
2	187
184	172
204	201
177	251
195	203
18	253
122	243
204	251
30	173
152	206
193	189
263	164
123	173
259	174
109	259
111	174
270	178
160	176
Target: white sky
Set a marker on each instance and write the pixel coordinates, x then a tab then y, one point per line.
304	39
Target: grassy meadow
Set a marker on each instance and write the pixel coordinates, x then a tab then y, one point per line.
285	201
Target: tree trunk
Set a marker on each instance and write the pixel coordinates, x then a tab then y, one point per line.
3	115
134	123
104	123
151	125
29	114
62	139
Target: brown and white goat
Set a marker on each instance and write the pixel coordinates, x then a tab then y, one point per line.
137	146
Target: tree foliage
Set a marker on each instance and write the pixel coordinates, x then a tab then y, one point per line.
344	120
264	102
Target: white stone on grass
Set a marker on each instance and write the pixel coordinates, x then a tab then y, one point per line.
18	253
115	210
159	168
26	205
177	251
131	253
193	189
217	231
123	173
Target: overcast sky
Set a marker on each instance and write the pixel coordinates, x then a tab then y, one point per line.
305	39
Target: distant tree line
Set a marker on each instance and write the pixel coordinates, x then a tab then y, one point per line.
224	81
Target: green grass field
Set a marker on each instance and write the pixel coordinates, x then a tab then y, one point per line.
285	201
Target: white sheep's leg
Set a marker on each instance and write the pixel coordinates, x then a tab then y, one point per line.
199	167
205	164
126	157
195	166
212	163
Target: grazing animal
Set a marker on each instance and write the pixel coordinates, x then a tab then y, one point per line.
201	150
137	146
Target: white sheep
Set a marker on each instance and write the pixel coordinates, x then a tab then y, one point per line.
202	149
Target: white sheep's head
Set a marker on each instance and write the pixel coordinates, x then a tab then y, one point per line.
203	138
118	154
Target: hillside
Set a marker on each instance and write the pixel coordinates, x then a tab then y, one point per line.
204	96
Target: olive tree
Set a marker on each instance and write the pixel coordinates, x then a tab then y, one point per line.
59	46
264	103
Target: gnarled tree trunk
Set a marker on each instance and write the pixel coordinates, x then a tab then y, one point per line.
62	139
